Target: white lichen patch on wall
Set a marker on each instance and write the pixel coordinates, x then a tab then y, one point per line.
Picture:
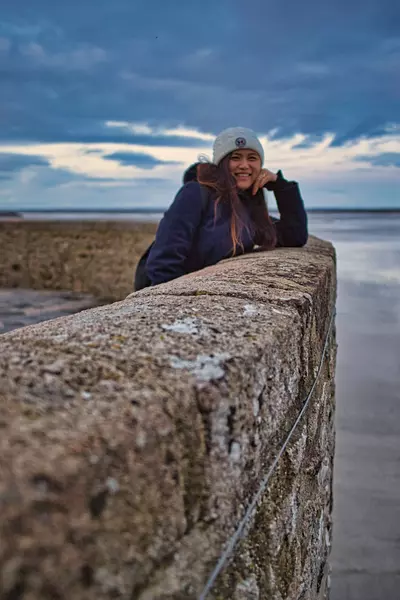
204	367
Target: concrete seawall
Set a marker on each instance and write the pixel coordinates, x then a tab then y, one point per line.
97	257
136	436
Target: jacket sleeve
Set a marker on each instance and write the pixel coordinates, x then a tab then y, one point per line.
175	235
291	228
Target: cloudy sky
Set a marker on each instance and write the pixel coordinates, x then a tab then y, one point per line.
104	104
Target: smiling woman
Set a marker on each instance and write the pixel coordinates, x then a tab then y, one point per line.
221	212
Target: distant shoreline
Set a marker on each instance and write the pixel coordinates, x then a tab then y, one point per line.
151	211
10	214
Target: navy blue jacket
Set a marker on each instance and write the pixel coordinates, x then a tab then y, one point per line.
190	236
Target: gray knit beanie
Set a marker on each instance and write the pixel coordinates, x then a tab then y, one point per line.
236	138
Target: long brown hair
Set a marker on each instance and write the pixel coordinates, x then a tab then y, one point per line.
220	179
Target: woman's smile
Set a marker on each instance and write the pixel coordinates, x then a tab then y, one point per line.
245	166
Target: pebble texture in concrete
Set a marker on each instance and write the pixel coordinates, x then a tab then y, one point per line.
135	435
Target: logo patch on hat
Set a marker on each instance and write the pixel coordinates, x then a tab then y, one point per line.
240	142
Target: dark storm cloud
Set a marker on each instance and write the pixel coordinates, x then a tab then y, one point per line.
388	159
58	131
144	161
55	178
13	163
309	141
66	68
368	128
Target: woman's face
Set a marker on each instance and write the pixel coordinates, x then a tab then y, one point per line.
245	166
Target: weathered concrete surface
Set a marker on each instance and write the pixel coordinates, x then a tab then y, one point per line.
19	307
97	257
135	435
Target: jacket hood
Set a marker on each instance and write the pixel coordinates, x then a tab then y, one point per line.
190	174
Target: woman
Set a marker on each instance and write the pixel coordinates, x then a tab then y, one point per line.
221	212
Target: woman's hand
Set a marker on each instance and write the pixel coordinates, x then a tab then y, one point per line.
264	177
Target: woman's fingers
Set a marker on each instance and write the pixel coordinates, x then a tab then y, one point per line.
261	180
257	184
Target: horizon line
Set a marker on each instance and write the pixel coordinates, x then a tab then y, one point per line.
145	210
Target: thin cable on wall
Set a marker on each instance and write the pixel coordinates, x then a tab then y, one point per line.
264	482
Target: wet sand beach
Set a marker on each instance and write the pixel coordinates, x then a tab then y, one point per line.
366	538
19	307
